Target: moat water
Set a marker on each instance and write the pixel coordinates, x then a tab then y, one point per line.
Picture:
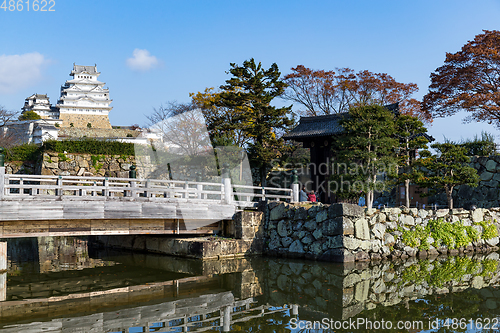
65	285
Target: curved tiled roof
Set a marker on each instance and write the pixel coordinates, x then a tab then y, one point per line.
310	127
320	126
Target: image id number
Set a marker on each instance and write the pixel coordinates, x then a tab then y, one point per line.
28	5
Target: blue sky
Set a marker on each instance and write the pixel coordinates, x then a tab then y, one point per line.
151	52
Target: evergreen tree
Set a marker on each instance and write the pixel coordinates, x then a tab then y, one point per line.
409	132
365	150
252	89
29	115
446	169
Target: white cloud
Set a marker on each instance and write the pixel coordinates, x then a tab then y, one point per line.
20	71
142	61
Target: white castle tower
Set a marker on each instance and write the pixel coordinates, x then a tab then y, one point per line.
40	104
84	100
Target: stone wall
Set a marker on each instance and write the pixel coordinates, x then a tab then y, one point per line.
86	165
81	120
344	291
346	232
25	168
487	193
74	132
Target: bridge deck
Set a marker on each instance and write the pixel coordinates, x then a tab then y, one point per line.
37	205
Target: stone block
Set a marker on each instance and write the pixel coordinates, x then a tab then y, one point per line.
491	165
64	165
311	225
362	229
286	241
284	229
316	249
486	175
362	256
338	226
321	216
389	240
407	220
335	242
351	243
492	241
442	212
378	230
307	240
300	214
337	255
343	209
477	215
278	212
49	165
317	234
296	247
422	213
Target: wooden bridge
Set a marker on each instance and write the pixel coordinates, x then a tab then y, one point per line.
37	205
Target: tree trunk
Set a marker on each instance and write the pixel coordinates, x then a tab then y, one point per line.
263	181
449	196
407	193
369	199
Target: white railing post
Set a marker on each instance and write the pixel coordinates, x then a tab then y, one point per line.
295	192
228	190
199	188
105	192
133	185
226	327
146	192
58	190
21	186
2	182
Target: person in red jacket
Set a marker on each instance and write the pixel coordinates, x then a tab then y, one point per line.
311	197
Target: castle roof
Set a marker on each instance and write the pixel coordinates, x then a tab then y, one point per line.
77	69
38	96
328	125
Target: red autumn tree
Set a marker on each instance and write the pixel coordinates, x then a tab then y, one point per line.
326	92
469	80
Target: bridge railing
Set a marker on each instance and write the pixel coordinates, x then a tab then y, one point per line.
16	185
39	185
244	194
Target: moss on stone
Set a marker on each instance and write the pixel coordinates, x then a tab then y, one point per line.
451	235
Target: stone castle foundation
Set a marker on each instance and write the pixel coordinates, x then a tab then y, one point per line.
81	120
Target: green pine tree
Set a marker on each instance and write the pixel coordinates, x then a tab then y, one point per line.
365	152
29	115
408	133
445	170
252	89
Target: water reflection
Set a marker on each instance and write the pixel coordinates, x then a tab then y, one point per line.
66	286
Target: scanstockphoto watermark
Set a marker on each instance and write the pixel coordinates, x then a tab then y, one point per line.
362	324
333	186
340	168
348	177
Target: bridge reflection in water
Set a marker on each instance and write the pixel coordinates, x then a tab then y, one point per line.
71	289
